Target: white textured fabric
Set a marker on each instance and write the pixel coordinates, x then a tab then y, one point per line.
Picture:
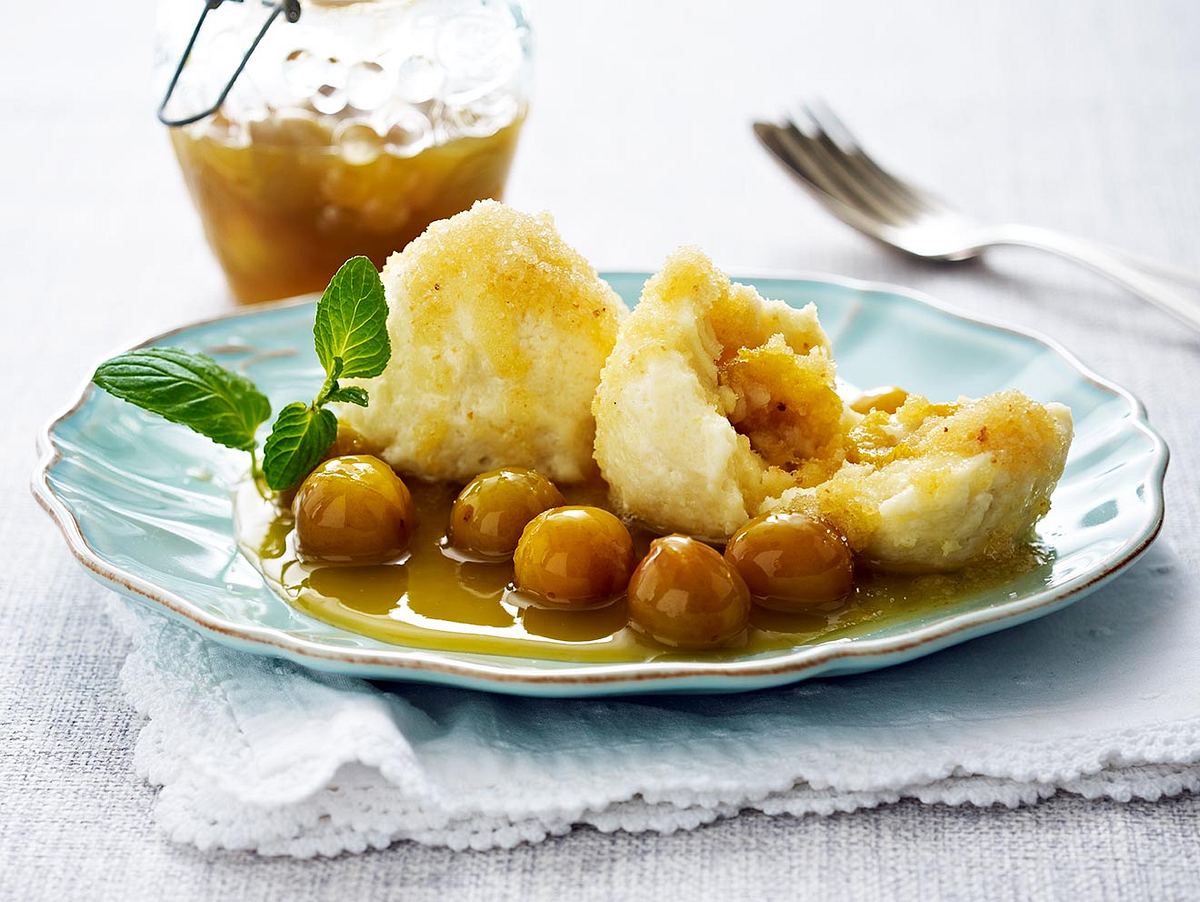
1102	700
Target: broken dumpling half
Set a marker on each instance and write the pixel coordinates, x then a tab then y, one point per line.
718	405
713	400
499	330
938	486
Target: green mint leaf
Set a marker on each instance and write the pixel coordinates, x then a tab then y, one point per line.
349	394
190	389
352	322
300	437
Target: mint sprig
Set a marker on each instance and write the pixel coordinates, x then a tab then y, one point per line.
351	339
193	390
190	389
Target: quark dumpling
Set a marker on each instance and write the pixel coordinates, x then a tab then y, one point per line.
937	486
713	400
499	331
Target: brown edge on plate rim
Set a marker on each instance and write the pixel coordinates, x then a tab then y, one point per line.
410	662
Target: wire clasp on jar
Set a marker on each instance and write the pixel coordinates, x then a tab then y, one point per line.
290	9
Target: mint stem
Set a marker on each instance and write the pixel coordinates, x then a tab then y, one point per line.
330	386
256	475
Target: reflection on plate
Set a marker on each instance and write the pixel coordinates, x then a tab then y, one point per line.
147	507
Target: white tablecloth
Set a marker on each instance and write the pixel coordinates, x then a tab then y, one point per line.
1079	114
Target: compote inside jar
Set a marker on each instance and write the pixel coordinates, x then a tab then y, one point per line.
347	132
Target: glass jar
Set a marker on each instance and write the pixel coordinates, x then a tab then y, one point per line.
348	131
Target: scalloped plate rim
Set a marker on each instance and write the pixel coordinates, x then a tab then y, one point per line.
512	676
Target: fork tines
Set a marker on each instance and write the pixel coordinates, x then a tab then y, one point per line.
818	148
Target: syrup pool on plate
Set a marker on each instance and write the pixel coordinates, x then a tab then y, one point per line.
435	600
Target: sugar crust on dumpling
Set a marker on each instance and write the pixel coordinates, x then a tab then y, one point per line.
934	487
499	331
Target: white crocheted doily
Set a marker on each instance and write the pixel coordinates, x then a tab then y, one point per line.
1102	699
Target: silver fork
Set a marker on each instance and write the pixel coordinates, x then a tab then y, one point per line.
828	160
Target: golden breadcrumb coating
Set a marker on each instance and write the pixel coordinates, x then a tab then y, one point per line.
937	486
713	400
499	330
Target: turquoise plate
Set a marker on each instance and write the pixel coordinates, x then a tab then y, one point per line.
145	505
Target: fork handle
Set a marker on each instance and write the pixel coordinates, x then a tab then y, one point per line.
1177	275
1115	266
